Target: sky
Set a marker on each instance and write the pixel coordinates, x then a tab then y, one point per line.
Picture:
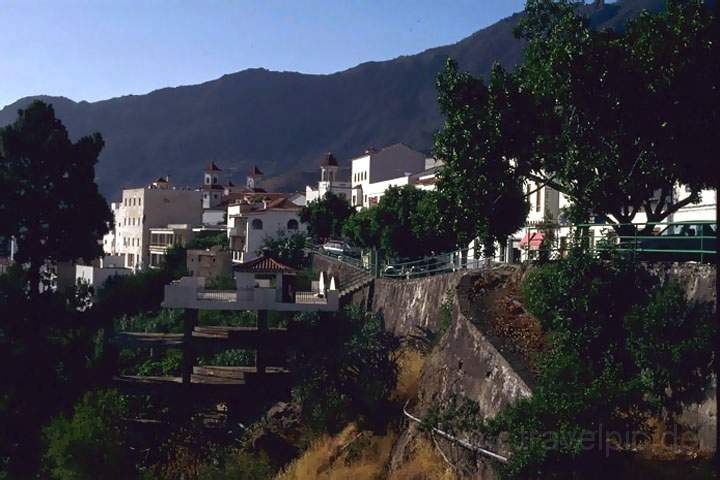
98	49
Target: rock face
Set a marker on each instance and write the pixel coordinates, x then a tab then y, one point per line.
277	433
472	361
699	282
465	364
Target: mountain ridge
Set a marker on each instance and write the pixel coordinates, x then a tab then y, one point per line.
282	120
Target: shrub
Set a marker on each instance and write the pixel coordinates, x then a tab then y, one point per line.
240	465
90	443
351	377
622	347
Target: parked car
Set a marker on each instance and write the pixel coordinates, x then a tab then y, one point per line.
678	242
338	247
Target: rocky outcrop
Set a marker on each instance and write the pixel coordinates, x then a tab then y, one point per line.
466	364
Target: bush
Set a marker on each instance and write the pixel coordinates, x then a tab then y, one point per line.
240	465
207	239
289	249
90	444
352	377
623	347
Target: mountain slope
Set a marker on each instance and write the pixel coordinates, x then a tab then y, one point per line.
283	121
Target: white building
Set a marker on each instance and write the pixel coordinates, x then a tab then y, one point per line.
99	272
547	206
386	167
331	180
260	216
141	209
219	190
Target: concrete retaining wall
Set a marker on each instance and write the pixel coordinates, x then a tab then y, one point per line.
408	304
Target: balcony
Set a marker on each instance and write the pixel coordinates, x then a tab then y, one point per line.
190	292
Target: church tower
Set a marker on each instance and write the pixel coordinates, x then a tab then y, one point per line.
212	188
254	177
328	168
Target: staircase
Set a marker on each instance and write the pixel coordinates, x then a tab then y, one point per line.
354	282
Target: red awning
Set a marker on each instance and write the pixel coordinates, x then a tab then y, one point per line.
533	239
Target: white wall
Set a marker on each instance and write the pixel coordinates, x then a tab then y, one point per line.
273	223
143	208
95	276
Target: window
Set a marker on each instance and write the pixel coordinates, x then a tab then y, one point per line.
257	224
139	201
292	224
207	179
538	204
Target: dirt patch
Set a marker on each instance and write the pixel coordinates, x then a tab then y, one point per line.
496	309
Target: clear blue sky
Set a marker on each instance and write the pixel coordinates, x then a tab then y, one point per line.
97	49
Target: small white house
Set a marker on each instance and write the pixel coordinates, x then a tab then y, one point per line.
258	217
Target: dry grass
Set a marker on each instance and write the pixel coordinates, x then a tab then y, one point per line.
410	364
348	455
424	464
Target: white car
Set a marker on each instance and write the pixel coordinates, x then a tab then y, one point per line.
335	247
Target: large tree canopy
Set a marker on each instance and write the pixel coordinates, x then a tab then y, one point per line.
405	223
614	121
325	216
49	201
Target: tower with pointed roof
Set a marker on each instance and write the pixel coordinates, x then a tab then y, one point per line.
212	187
254	176
328	168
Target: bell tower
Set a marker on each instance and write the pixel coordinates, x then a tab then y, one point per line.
254	177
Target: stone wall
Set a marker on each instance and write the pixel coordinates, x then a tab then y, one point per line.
464	364
408	304
331	267
468	363
699	281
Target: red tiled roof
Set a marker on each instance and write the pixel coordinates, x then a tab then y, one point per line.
255	171
264	265
213	168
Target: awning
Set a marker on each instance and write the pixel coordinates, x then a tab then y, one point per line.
533	239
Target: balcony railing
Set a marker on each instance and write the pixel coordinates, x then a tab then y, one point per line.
217	295
309	298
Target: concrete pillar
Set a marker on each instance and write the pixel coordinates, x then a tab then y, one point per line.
190	317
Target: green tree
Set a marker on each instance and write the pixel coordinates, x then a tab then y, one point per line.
206	239
49	354
614	121
404	223
622	348
91	443
326	216
480	188
49	201
333	384
289	249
